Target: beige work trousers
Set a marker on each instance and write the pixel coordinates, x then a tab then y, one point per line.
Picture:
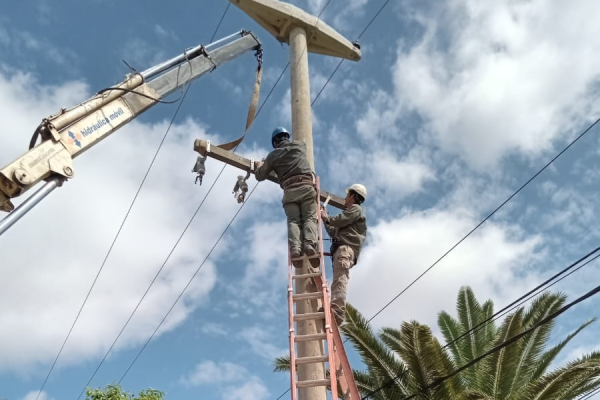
300	205
343	261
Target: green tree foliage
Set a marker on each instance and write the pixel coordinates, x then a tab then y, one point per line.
114	392
410	360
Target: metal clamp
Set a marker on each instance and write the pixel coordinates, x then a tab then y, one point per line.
241	186
200	169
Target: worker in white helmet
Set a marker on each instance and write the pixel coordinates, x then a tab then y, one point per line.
348	231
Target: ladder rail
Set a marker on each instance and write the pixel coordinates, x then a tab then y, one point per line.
291	330
340	373
326	300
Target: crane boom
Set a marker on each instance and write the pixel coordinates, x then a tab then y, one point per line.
72	132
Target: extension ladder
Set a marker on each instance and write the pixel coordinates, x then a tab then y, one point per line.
340	376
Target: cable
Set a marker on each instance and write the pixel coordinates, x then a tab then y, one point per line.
373	19
149	287
511	306
342	60
220	21
173	249
485	219
507	342
590	395
513	339
186	286
119	232
527	296
112	244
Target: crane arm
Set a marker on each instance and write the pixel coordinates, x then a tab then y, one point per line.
72	132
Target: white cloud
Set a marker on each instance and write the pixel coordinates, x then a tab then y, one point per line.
209	372
251	390
234	380
261	342
490	79
215	329
495	261
163	33
33	395
52	255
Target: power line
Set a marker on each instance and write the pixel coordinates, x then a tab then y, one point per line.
507	342
528	296
220	237
149	287
373	19
513	339
188	284
121	227
524	298
342	60
113	243
220	21
485	220
180	237
590	395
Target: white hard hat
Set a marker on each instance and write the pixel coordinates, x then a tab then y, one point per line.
358	188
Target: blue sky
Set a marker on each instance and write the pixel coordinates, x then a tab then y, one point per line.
453	106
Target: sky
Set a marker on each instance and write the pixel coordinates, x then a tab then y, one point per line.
452	108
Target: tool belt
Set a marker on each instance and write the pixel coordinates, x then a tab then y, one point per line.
298	180
335	244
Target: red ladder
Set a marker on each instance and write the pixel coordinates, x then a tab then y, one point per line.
330	339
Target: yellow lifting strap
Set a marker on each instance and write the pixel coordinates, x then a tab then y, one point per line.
253	105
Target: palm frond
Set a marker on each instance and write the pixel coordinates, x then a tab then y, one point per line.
548	357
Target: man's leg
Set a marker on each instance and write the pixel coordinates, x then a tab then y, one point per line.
308	208
294	222
343	260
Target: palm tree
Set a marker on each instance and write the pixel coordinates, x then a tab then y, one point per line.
410	360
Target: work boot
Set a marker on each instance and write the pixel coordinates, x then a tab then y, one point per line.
296	253
310	251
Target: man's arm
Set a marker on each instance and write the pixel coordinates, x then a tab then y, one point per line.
346	218
263	169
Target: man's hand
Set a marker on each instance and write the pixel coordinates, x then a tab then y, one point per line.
324	213
258	164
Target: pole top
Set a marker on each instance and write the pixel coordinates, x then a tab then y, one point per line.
280	18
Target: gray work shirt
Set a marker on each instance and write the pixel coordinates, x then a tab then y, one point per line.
288	160
349	227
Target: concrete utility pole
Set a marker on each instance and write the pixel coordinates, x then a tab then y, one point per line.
304	33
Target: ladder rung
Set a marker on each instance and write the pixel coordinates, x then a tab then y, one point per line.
312	360
319	382
307	316
313	275
308	338
306	296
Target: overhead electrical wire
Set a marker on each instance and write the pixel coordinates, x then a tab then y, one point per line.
521	300
590	395
181	236
485	219
507	342
121	226
112	244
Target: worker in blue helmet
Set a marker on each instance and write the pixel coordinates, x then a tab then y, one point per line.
289	161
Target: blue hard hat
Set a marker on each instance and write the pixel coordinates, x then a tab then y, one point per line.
278	131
